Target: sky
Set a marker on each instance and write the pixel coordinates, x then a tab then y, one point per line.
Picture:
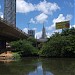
32	14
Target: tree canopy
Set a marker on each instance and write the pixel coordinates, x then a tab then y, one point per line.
58	45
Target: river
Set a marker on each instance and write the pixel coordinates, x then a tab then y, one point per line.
39	66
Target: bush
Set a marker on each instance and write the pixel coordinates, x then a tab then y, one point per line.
60	45
16	56
24	48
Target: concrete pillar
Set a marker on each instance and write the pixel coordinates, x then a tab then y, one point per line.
2	45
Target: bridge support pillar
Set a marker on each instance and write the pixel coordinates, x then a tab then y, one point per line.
2	45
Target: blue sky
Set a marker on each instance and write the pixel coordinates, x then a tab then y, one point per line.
37	12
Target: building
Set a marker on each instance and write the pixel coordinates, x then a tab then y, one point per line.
43	37
10	11
43	33
31	33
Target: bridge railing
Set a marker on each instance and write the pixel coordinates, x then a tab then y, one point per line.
12	25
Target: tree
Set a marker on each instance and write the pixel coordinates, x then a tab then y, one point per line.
24	48
60	45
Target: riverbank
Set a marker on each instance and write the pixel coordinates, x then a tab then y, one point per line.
9	56
6	56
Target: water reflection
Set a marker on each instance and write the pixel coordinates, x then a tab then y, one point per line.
39	66
60	66
40	71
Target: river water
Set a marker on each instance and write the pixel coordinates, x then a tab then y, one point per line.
39	66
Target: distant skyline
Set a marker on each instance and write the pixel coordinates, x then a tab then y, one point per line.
37	12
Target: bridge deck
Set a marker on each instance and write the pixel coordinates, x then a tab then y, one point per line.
9	32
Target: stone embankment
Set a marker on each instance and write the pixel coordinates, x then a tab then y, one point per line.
6	56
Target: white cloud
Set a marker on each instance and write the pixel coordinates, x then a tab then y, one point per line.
41	18
34	29
51	29
38	34
1	14
44	7
24	7
52	32
73	26
25	30
68	17
32	21
48	34
47	7
60	18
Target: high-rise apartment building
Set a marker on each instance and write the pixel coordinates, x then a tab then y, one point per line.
31	33
10	11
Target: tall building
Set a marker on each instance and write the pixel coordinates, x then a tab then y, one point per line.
31	33
10	11
43	37
43	33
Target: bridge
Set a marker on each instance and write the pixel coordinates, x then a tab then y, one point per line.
10	33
